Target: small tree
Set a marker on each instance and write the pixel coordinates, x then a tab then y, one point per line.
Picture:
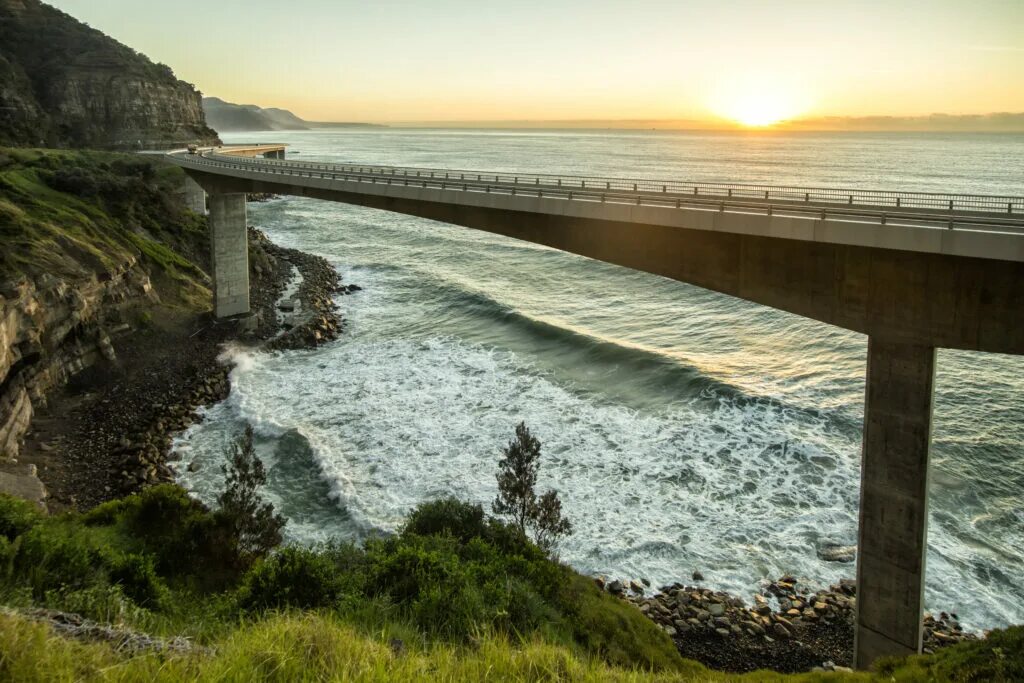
548	522
517	477
252	524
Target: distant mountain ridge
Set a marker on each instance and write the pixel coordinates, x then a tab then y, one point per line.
64	84
228	117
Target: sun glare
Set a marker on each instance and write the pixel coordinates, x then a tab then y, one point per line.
758	105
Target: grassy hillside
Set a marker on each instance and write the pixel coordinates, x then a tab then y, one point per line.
162	563
454	596
73	214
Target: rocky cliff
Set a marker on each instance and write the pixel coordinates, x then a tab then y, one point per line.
89	243
64	84
51	329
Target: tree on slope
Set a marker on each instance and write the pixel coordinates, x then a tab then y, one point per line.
252	523
517	500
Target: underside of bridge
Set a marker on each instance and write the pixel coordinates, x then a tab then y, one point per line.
908	304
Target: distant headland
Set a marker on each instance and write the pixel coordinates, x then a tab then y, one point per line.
228	117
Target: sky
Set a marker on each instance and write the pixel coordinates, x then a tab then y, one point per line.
390	61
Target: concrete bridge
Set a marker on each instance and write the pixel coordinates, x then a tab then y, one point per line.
912	271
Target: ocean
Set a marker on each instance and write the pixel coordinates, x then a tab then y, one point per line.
684	430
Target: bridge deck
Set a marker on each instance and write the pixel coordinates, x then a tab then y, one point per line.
977	225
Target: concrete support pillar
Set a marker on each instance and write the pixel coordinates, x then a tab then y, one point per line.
893	500
195	196
230	245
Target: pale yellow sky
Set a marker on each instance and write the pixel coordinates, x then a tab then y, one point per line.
391	61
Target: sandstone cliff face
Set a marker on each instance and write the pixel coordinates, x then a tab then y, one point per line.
63	84
20	114
91	244
50	329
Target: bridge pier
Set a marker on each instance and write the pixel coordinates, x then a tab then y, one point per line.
276	154
892	542
230	246
195	196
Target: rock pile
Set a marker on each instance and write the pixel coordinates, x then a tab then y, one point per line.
320	320
788	627
945	630
145	454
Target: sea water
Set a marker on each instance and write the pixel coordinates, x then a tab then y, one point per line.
683	429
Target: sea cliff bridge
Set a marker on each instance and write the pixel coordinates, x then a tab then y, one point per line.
913	271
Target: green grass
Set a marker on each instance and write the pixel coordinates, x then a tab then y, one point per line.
161	562
313	646
74	214
469	598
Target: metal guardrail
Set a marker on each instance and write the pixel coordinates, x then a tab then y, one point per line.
967	203
621	191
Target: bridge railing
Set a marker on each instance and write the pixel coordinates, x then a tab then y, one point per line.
966	203
885	216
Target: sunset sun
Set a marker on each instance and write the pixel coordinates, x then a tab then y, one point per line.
758	105
758	111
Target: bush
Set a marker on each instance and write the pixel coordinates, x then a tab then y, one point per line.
57	555
137	578
17	516
180	533
73	181
447	517
292	577
998	658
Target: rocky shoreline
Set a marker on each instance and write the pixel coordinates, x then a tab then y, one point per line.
108	433
789	628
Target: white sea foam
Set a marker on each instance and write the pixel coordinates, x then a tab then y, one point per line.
742	491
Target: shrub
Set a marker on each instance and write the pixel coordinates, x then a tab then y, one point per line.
137	578
103	603
448	516
73	181
999	658
180	533
56	555
140	169
17	516
292	577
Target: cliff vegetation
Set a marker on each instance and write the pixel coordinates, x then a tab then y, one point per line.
151	587
93	243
